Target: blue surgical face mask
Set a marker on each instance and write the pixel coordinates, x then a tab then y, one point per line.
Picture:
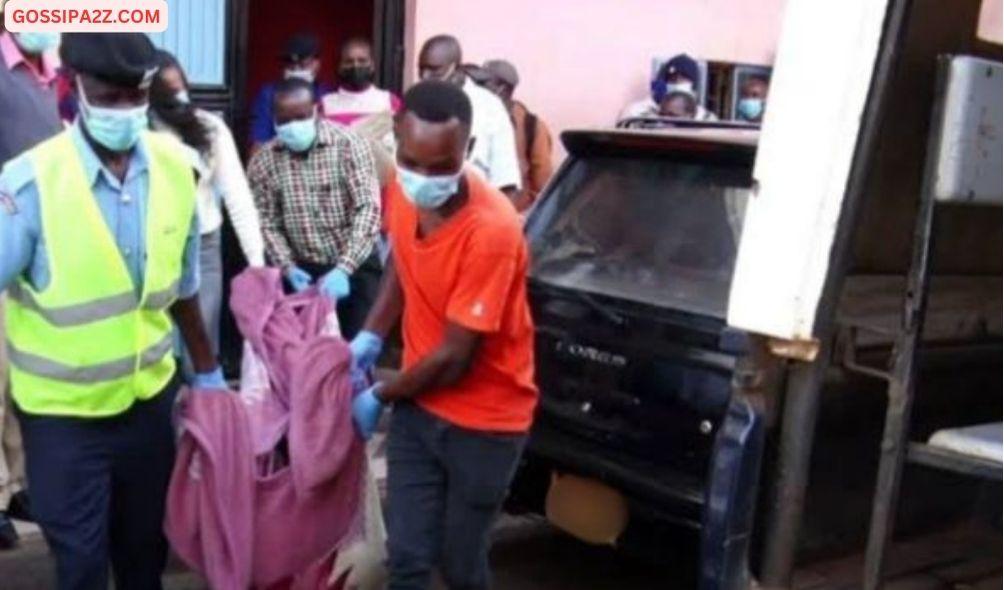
428	192
750	108
116	129
37	42
298	135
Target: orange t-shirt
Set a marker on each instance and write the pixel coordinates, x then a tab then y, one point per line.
471	271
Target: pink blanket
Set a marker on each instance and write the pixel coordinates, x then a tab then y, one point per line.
262	490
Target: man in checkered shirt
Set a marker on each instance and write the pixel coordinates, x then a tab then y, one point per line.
316	189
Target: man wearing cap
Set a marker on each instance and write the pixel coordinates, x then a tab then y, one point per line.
533	138
28	115
679	74
99	253
301	58
493	143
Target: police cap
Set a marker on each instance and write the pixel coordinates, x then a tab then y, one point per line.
120	59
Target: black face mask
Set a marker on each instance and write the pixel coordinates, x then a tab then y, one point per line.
356	76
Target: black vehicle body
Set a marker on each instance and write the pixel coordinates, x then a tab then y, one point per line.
634	360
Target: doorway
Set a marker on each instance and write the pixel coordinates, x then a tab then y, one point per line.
260	30
271	23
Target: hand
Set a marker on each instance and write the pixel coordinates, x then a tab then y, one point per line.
298	278
211	380
335	284
366	348
366	411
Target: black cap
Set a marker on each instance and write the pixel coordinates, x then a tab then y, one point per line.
682	65
300	46
121	59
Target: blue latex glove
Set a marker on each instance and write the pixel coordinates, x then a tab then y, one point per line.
211	380
360	380
366	411
366	348
298	278
335	284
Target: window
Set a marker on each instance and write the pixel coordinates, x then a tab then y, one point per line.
196	35
646	229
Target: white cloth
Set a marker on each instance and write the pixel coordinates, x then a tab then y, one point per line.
494	150
221	174
647	108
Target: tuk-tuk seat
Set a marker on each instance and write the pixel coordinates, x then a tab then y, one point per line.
971	450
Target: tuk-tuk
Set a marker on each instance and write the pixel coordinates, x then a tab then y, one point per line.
720	313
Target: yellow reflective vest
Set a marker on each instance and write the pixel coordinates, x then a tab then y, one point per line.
87	345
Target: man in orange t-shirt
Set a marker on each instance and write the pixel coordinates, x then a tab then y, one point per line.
465	398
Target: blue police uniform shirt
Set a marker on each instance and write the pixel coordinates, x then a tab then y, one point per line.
123	206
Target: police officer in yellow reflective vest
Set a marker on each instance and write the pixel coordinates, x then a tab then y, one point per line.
99	252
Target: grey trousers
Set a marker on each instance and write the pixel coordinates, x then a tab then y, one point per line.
210	292
445	486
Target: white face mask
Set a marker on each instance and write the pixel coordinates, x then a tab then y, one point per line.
681	86
302	73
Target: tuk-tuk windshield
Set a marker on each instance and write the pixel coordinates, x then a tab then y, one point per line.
650	230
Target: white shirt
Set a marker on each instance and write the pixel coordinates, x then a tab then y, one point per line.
223	175
494	152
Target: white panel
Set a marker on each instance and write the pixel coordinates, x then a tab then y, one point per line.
982	441
825	59
970	158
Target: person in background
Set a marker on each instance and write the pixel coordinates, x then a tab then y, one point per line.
301	59
99	246
357	97
464	401
362	107
66	95
222	179
679	73
679	104
533	138
28	115
494	141
752	99
316	190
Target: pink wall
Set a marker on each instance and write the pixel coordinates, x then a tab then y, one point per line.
991	17
581	61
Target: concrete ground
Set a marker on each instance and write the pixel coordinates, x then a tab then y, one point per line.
530	555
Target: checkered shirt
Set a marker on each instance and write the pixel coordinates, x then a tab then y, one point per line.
322	206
